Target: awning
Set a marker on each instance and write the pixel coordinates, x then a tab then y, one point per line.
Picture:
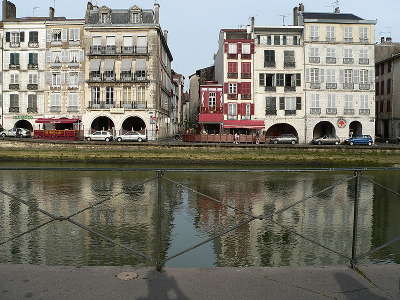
95	65
109	65
57	121
211	118
245	124
126	65
140	65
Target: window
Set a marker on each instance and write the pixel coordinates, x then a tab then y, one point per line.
33	37
382	88
141	94
14	59
348	53
33	78
135	18
330	33
270	105
298	79
74	56
261	79
55	79
232	68
232	88
73	79
314	52
382	68
232	109
33	59
364	76
73	100
247	112
290	103
56	35
280	80
14	78
56	57
331	52
284	40
74	34
14	101
96	41
315	101
246	68
269	58
15	37
270	80
348	34
330	76
246	49
32	102
277	39
296	40
289	59
331	101
212	99
364	102
389	66
96	95
314	33
109	95
128	41
104	18
232	49
245	89
348	101
314	75
348	76
363	32
389	86
376	88
55	100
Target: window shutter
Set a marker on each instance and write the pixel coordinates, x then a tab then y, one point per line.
371	76
82	56
64	56
48	36
226	47
239	109
8	37
262	79
226	87
308	79
225	108
356	76
64	35
239	48
298	103
22	37
282	103
298	79
341	76
48	57
48	78
239	88
252	109
321	75
252	48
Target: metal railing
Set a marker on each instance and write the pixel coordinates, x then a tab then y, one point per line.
161	176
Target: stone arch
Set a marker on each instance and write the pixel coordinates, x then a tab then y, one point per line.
102	123
134	123
355	128
324	128
24	124
281	128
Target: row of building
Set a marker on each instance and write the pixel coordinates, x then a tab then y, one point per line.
313	78
108	71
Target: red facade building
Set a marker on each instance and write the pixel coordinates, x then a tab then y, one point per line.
211	115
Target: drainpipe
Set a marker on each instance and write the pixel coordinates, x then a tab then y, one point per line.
391	99
305	85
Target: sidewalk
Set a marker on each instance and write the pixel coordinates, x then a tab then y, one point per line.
336	282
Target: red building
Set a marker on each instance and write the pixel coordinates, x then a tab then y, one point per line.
211	114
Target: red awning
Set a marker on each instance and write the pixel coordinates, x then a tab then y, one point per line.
211	118
245	124
57	121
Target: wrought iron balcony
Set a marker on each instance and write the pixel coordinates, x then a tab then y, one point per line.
245	75
315	85
14	86
290	112
245	96
314	60
211	110
290	88
14	66
232	96
331	60
32	44
32	86
33	66
348	61
73	109
270	112
331	111
331	86
15	44
232	75
14	109
291	64
348	86
315	111
133	105
364	111
270	88
55	64
245	56
101	105
113	50
364	86
269	64
32	109
363	61
55	109
348	40
348	111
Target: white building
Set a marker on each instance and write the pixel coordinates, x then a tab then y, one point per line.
339	73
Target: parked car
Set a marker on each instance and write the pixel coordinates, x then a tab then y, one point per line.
131	136
100	136
16	132
360	140
284	139
326	140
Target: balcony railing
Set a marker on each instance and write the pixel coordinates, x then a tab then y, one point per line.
56	43
245	96
55	65
14	86
32	86
270	88
270	112
314	38
348	111
245	75
348	40
246	56
232	117
269	64
55	109
102	105
314	60
33	66
72	108
364	40
290	112
331	111
331	86
15	44
14	66
288	64
233	75
330	39
331	60
290	88
14	109
315	111
232	96
33	44
315	85
363	61
113	50
232	56
364	111
73	64
32	109
348	61
211	110
133	105
364	86
348	86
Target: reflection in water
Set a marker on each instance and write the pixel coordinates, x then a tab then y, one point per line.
130	216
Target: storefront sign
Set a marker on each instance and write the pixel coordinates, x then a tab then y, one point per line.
153	120
23	117
341	123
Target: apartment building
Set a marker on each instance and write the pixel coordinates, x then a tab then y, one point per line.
128	74
278	80
65	73
387	89
24	48
339	73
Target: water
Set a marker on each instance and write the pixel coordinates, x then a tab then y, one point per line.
130	216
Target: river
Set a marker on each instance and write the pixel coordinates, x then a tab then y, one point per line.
129	216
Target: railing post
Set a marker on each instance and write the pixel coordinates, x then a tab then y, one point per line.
159	263
355	220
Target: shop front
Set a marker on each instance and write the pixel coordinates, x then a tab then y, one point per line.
59	129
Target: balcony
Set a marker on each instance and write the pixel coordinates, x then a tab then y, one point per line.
364	40
331	86
289	64
55	109
364	86
232	75
110	50
73	64
315	85
314	60
348	111
290	88
348	86
55	86
314	38
13	86
32	44
211	110
290	112
245	96
32	109
109	78
232	117
33	66
363	61
348	61
331	60
232	96
73	86
14	66
232	56
331	111
101	105
55	65
13	109
74	43
133	105
269	64
348	40
73	109
270	88
32	86
246	56
245	75
364	112
56	43
315	111
15	44
330	39
270	112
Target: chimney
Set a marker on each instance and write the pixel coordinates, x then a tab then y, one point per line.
89	6
298	15
9	10
51	13
337	10
389	40
382	40
166	35
295	14
156	13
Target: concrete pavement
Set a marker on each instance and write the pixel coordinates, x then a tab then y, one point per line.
335	282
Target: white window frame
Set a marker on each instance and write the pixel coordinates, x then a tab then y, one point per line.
348	33
364	53
141	94
127	94
212	99
330	33
232	109
246	48
232	88
73	100
55	79
348	53
55	33
314	75
74	56
331	76
74	34
363	34
315	101
232	48
331	101
96	94
348	76
14	78
290	103
33	78
314	33
331	52
110	95
55	100
364	76
364	102
348	101
15	37
73	79
314	52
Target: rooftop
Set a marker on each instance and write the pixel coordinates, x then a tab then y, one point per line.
331	16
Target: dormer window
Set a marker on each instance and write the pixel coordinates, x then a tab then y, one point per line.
104	18
136	14
105	15
135	18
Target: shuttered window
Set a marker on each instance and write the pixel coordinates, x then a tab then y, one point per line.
270	105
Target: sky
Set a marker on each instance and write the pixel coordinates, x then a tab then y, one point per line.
194	25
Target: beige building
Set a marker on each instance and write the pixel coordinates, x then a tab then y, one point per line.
128	72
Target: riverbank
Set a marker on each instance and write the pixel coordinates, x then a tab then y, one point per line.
192	154
334	282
